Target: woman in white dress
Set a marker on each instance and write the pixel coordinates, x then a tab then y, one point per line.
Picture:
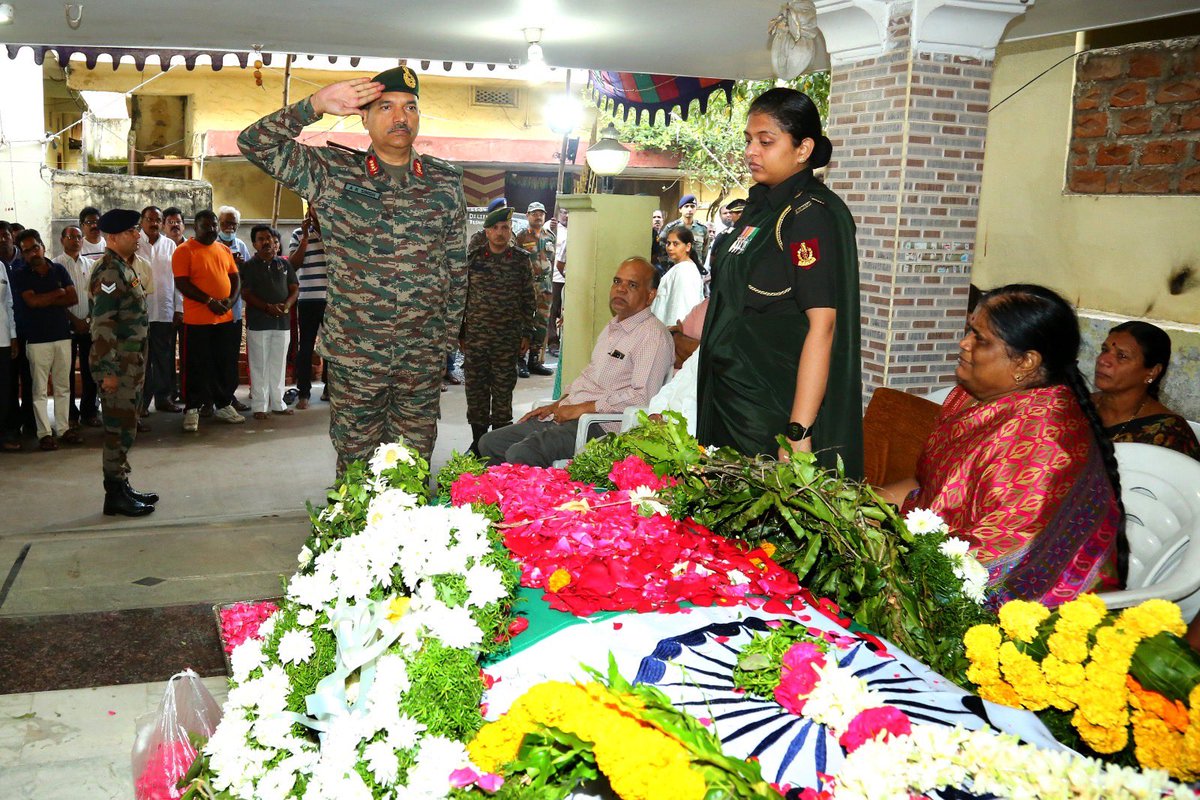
682	287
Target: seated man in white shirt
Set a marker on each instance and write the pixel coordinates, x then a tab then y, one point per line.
630	362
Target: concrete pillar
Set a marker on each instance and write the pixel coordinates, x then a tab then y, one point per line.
604	230
24	184
909	94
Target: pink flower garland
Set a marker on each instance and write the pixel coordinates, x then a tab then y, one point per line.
241	621
595	551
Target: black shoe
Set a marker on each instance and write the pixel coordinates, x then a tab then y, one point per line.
538	368
477	432
291	396
206	410
149	498
117	502
522	369
238	405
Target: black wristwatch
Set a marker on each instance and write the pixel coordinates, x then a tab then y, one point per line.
796	432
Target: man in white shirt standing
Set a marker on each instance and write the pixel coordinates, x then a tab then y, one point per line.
93	241
79	267
558	280
162	301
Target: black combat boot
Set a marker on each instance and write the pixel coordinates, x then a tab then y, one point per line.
477	432
522	369
117	502
149	498
536	367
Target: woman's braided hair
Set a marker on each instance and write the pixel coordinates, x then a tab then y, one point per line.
1028	317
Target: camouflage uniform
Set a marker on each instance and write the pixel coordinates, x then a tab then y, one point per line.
500	311
120	331
541	247
699	234
397	279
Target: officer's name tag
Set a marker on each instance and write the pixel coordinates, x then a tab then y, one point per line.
108	288
355	189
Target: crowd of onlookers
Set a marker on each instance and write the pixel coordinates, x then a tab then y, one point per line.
210	298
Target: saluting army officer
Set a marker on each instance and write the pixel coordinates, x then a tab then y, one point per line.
394	226
120	326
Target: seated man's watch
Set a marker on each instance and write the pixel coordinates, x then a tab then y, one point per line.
797	432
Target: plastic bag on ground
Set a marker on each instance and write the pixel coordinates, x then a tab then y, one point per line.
167	741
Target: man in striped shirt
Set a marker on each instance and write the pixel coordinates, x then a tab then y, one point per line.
630	362
308	259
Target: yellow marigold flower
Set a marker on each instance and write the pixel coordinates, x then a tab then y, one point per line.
1156	746
558	579
1084	612
1020	619
1069	643
1001	693
1151	618
982	642
1188	760
982	676
1063	680
1025	676
1171	712
1100	738
768	548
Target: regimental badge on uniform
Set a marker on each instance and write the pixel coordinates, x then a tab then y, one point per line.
806	253
743	240
373	168
418	168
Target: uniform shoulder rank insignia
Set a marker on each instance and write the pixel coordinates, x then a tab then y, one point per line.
418	168
373	168
108	288
806	253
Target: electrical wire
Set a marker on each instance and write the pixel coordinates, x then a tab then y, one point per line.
1031	80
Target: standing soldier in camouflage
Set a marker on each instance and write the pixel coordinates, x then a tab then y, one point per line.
120	335
394	225
497	325
539	243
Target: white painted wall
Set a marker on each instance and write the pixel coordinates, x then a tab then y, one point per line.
24	181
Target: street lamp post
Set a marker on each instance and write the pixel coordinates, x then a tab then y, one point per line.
607	157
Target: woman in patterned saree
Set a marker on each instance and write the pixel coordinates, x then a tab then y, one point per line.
1129	370
1019	463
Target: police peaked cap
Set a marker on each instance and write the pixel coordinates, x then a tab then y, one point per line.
736	205
119	220
502	214
399	79
687	198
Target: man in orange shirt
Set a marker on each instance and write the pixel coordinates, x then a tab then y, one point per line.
207	277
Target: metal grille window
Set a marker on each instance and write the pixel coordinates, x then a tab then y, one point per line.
494	96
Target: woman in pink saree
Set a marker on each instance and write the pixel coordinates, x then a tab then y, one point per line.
1019	464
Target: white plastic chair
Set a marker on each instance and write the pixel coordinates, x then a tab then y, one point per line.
1161	492
939	395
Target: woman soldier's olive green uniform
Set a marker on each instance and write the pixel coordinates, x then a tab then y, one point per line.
792	250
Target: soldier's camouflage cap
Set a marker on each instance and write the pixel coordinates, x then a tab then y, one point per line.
119	220
399	79
502	214
535	207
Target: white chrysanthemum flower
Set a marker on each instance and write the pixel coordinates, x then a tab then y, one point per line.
389	455
453	626
295	647
268	626
486	585
246	657
404	732
838	697
974	577
330	513
390	671
275	785
318	589
430	776
273	689
646	502
275	731
922	520
381	758
306	617
305	557
954	548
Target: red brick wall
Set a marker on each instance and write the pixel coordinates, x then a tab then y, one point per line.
1136	123
908	159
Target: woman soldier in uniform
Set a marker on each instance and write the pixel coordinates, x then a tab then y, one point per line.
780	349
